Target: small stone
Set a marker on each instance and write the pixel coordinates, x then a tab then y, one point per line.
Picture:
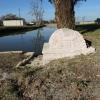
29	53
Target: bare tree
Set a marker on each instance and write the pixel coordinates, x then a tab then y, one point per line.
64	12
37	11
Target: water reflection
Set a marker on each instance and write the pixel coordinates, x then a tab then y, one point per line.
26	41
38	42
12	33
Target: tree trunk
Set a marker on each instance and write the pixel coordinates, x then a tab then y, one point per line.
65	14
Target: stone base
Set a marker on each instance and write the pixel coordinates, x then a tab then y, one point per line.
65	43
49	56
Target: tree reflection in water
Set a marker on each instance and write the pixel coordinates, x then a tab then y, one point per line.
38	42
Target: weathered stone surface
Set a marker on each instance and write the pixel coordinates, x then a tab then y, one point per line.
65	43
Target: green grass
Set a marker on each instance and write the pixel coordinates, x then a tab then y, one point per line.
88	29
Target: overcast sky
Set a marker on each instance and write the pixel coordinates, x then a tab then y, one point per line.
90	9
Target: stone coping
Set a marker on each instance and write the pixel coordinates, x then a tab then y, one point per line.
6	52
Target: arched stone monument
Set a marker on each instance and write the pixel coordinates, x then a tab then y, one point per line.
65	43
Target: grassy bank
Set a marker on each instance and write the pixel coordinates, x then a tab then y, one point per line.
62	79
4	30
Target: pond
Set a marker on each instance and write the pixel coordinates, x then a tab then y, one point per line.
31	41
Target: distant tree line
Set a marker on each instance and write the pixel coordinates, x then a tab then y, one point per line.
10	17
97	21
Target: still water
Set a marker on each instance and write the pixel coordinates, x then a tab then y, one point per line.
26	41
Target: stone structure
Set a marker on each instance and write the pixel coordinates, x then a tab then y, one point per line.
65	43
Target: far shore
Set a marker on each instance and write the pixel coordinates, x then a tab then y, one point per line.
7	29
